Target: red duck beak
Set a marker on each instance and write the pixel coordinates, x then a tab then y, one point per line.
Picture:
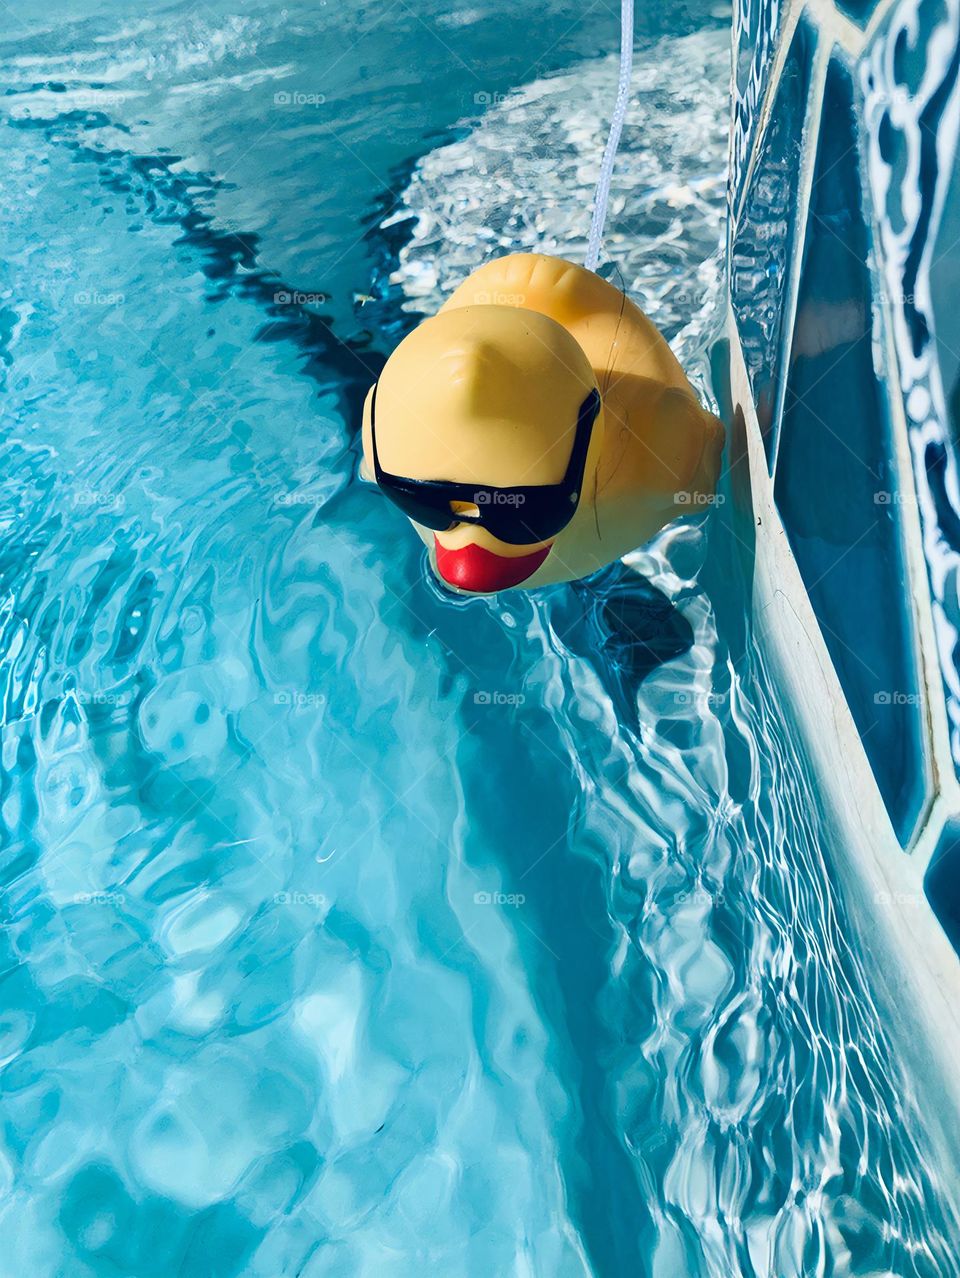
474	568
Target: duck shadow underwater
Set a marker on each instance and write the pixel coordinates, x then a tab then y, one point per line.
616	621
626	627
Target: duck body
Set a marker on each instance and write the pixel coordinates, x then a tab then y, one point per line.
487	392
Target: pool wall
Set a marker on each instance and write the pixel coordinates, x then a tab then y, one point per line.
844	253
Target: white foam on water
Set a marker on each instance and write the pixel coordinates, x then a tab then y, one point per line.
522	180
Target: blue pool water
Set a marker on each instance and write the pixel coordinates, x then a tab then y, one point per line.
349	928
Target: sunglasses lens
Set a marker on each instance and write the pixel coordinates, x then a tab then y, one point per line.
518	517
436	516
533	516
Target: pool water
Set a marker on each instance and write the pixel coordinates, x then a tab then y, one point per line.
351	928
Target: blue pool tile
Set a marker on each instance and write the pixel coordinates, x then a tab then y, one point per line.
908	76
835	485
763	238
755	35
942	882
944	291
860	11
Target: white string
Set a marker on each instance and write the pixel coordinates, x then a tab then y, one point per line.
613	141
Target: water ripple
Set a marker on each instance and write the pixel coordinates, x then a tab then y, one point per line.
352	929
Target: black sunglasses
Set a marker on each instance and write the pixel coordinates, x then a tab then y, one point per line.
518	516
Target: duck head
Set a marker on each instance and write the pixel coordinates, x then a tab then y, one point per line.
484	429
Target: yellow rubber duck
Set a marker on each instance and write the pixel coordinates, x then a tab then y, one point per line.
537	428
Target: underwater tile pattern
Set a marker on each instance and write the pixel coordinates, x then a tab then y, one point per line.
763	239
755	33
890	274
908	79
859	10
835	486
942	881
944	289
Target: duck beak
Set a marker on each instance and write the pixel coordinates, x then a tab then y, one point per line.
481	571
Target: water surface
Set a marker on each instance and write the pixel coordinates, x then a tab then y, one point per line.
352	929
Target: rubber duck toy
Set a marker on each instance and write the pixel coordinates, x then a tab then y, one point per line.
536	428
